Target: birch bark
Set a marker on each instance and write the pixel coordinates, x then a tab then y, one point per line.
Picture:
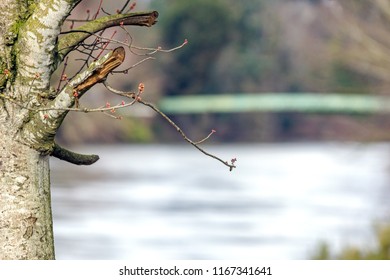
28	34
30	115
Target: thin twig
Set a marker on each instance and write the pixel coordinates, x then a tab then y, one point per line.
62	77
159	49
207	137
172	123
150	51
133	66
178	129
129	94
82	110
101	43
98	10
124	6
105	12
136	98
106	44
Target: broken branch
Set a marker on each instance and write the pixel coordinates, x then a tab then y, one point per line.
72	157
72	38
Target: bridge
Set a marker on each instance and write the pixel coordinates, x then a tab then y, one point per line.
276	102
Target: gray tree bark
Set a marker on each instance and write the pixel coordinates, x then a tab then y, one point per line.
30	114
26	230
27	38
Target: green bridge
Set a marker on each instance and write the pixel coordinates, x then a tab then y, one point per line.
276	102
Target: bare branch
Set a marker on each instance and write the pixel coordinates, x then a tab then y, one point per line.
96	73
195	144
101	109
99	74
206	138
129	94
72	157
159	49
125	5
69	41
172	123
49	121
134	65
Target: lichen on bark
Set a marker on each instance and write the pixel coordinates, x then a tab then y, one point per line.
24	197
37	42
25	207
29	32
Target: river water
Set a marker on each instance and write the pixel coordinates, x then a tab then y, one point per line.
172	202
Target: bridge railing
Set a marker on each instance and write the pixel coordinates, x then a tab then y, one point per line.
276	102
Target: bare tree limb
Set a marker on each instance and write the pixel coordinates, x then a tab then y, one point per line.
72	157
41	128
137	98
195	144
96	73
72	39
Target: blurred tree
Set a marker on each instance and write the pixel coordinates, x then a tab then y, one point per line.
224	51
272	46
243	64
363	37
225	54
207	25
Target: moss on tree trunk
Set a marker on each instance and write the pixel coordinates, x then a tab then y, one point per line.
26	230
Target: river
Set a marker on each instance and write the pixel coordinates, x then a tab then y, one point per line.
172	202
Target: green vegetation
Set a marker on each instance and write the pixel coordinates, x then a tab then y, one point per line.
225	50
207	25
381	250
252	46
346	80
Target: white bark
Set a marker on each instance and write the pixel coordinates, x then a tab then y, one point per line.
25	210
36	47
28	53
26	135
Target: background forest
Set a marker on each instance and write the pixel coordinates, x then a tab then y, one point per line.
256	47
281	46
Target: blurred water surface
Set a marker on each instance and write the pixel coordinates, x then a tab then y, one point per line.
171	202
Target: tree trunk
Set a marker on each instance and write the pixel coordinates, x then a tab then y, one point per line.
26	230
28	35
31	113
